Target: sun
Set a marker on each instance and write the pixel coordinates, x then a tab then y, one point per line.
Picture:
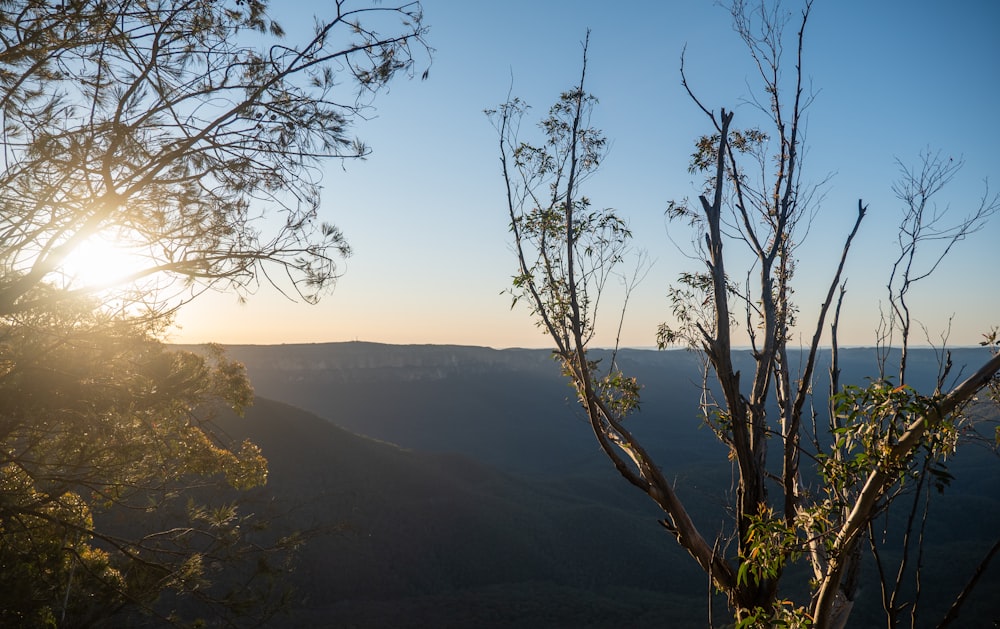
102	262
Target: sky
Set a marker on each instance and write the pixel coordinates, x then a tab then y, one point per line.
425	214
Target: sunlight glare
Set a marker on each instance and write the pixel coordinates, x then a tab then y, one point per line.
102	262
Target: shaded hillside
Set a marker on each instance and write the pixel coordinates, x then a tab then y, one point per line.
508	408
414	539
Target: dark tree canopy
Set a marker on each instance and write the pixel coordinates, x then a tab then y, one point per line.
95	416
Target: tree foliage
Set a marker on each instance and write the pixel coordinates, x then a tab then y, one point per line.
190	135
100	420
802	491
176	129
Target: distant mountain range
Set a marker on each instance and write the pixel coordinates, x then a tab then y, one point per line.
461	487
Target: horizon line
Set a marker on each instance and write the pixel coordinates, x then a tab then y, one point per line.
518	347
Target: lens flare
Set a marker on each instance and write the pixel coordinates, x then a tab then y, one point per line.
102	262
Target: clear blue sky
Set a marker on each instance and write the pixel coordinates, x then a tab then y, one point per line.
425	213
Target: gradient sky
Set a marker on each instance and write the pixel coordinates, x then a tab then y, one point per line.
425	214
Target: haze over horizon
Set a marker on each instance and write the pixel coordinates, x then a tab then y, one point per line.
425	212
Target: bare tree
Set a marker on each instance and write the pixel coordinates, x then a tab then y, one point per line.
757	199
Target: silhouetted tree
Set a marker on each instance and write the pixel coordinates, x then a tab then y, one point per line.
190	135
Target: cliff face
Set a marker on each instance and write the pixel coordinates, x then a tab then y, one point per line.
365	362
361	361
